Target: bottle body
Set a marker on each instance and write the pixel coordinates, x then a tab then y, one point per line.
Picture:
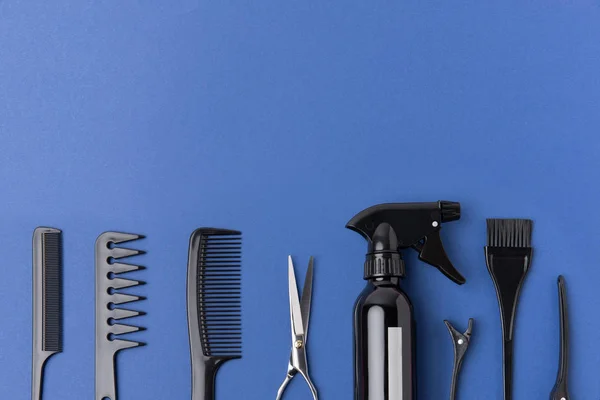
384	348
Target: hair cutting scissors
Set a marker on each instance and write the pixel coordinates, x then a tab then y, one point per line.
299	316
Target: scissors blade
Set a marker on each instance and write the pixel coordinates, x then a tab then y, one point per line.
296	314
307	297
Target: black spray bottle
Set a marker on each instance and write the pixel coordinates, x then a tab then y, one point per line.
384	327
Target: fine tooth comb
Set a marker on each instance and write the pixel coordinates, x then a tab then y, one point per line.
47	302
213	305
108	297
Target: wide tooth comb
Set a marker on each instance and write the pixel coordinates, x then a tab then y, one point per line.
108	283
213	304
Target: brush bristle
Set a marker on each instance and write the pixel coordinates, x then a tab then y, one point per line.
509	232
219	294
52	283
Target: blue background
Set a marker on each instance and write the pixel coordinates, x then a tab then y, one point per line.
283	120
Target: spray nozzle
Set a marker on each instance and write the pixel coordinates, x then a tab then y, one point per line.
392	227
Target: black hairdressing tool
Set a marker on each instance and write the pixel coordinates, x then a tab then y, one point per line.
384	324
299	316
508	257
214	305
461	344
47	302
111	263
560	390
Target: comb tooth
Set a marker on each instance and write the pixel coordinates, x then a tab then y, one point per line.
224	331
121	252
228	249
237	248
221	320
234	328
119	237
120	298
222	306
120	268
210	284
220	269
220	255
121	344
211	313
121	329
120	313
224	342
122	283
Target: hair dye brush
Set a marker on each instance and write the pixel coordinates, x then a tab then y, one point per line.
508	257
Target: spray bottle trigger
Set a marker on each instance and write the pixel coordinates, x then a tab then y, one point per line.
431	251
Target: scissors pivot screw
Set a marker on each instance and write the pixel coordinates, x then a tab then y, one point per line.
298	344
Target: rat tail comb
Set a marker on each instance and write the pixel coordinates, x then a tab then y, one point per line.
508	258
47	302
109	298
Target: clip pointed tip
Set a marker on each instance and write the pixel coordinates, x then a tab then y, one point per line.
470	327
449	326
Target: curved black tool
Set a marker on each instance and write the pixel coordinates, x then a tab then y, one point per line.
461	343
560	391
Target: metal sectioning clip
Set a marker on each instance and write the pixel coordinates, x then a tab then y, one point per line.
461	344
300	314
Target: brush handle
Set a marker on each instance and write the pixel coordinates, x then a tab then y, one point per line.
508	369
508	267
203	379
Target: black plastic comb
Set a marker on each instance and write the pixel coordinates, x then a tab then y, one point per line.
213	305
47	302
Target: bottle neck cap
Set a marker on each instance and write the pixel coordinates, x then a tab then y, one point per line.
384	265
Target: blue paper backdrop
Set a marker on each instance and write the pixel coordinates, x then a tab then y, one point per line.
284	119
